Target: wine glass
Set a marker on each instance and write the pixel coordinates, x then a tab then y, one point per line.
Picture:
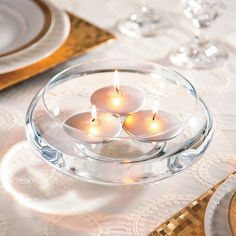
201	53
145	23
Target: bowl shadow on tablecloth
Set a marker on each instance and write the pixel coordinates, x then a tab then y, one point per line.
43	189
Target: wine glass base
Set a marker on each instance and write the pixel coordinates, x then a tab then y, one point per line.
145	25
204	56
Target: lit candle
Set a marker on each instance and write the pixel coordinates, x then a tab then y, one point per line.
118	99
152	125
93	127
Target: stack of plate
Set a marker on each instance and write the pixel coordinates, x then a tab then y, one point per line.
30	31
220	215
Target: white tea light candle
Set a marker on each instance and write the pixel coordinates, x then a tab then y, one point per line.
152	125
116	99
93	127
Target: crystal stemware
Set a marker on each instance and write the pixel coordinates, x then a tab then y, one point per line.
145	23
201	52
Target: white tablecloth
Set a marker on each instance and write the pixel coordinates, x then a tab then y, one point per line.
35	199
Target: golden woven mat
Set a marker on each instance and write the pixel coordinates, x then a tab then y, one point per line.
190	220
83	36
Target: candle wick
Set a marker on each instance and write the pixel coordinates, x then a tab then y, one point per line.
93	120
117	90
154	116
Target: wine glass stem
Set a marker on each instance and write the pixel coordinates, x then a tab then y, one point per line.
200	36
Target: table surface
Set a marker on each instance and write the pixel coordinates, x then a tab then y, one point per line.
36	199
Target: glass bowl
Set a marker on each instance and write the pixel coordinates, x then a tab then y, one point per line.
119	157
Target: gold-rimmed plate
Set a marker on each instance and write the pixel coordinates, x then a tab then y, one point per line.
53	34
216	220
22	24
232	214
82	38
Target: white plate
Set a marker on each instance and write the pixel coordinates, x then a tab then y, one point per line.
22	23
51	41
216	216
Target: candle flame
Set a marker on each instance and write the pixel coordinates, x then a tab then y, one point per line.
93	130
154	126
93	113
116	81
116	101
155	110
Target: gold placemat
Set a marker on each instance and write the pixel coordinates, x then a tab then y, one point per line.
232	214
190	220
83	36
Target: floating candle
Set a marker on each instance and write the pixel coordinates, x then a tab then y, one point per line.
152	125
118	99
93	127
